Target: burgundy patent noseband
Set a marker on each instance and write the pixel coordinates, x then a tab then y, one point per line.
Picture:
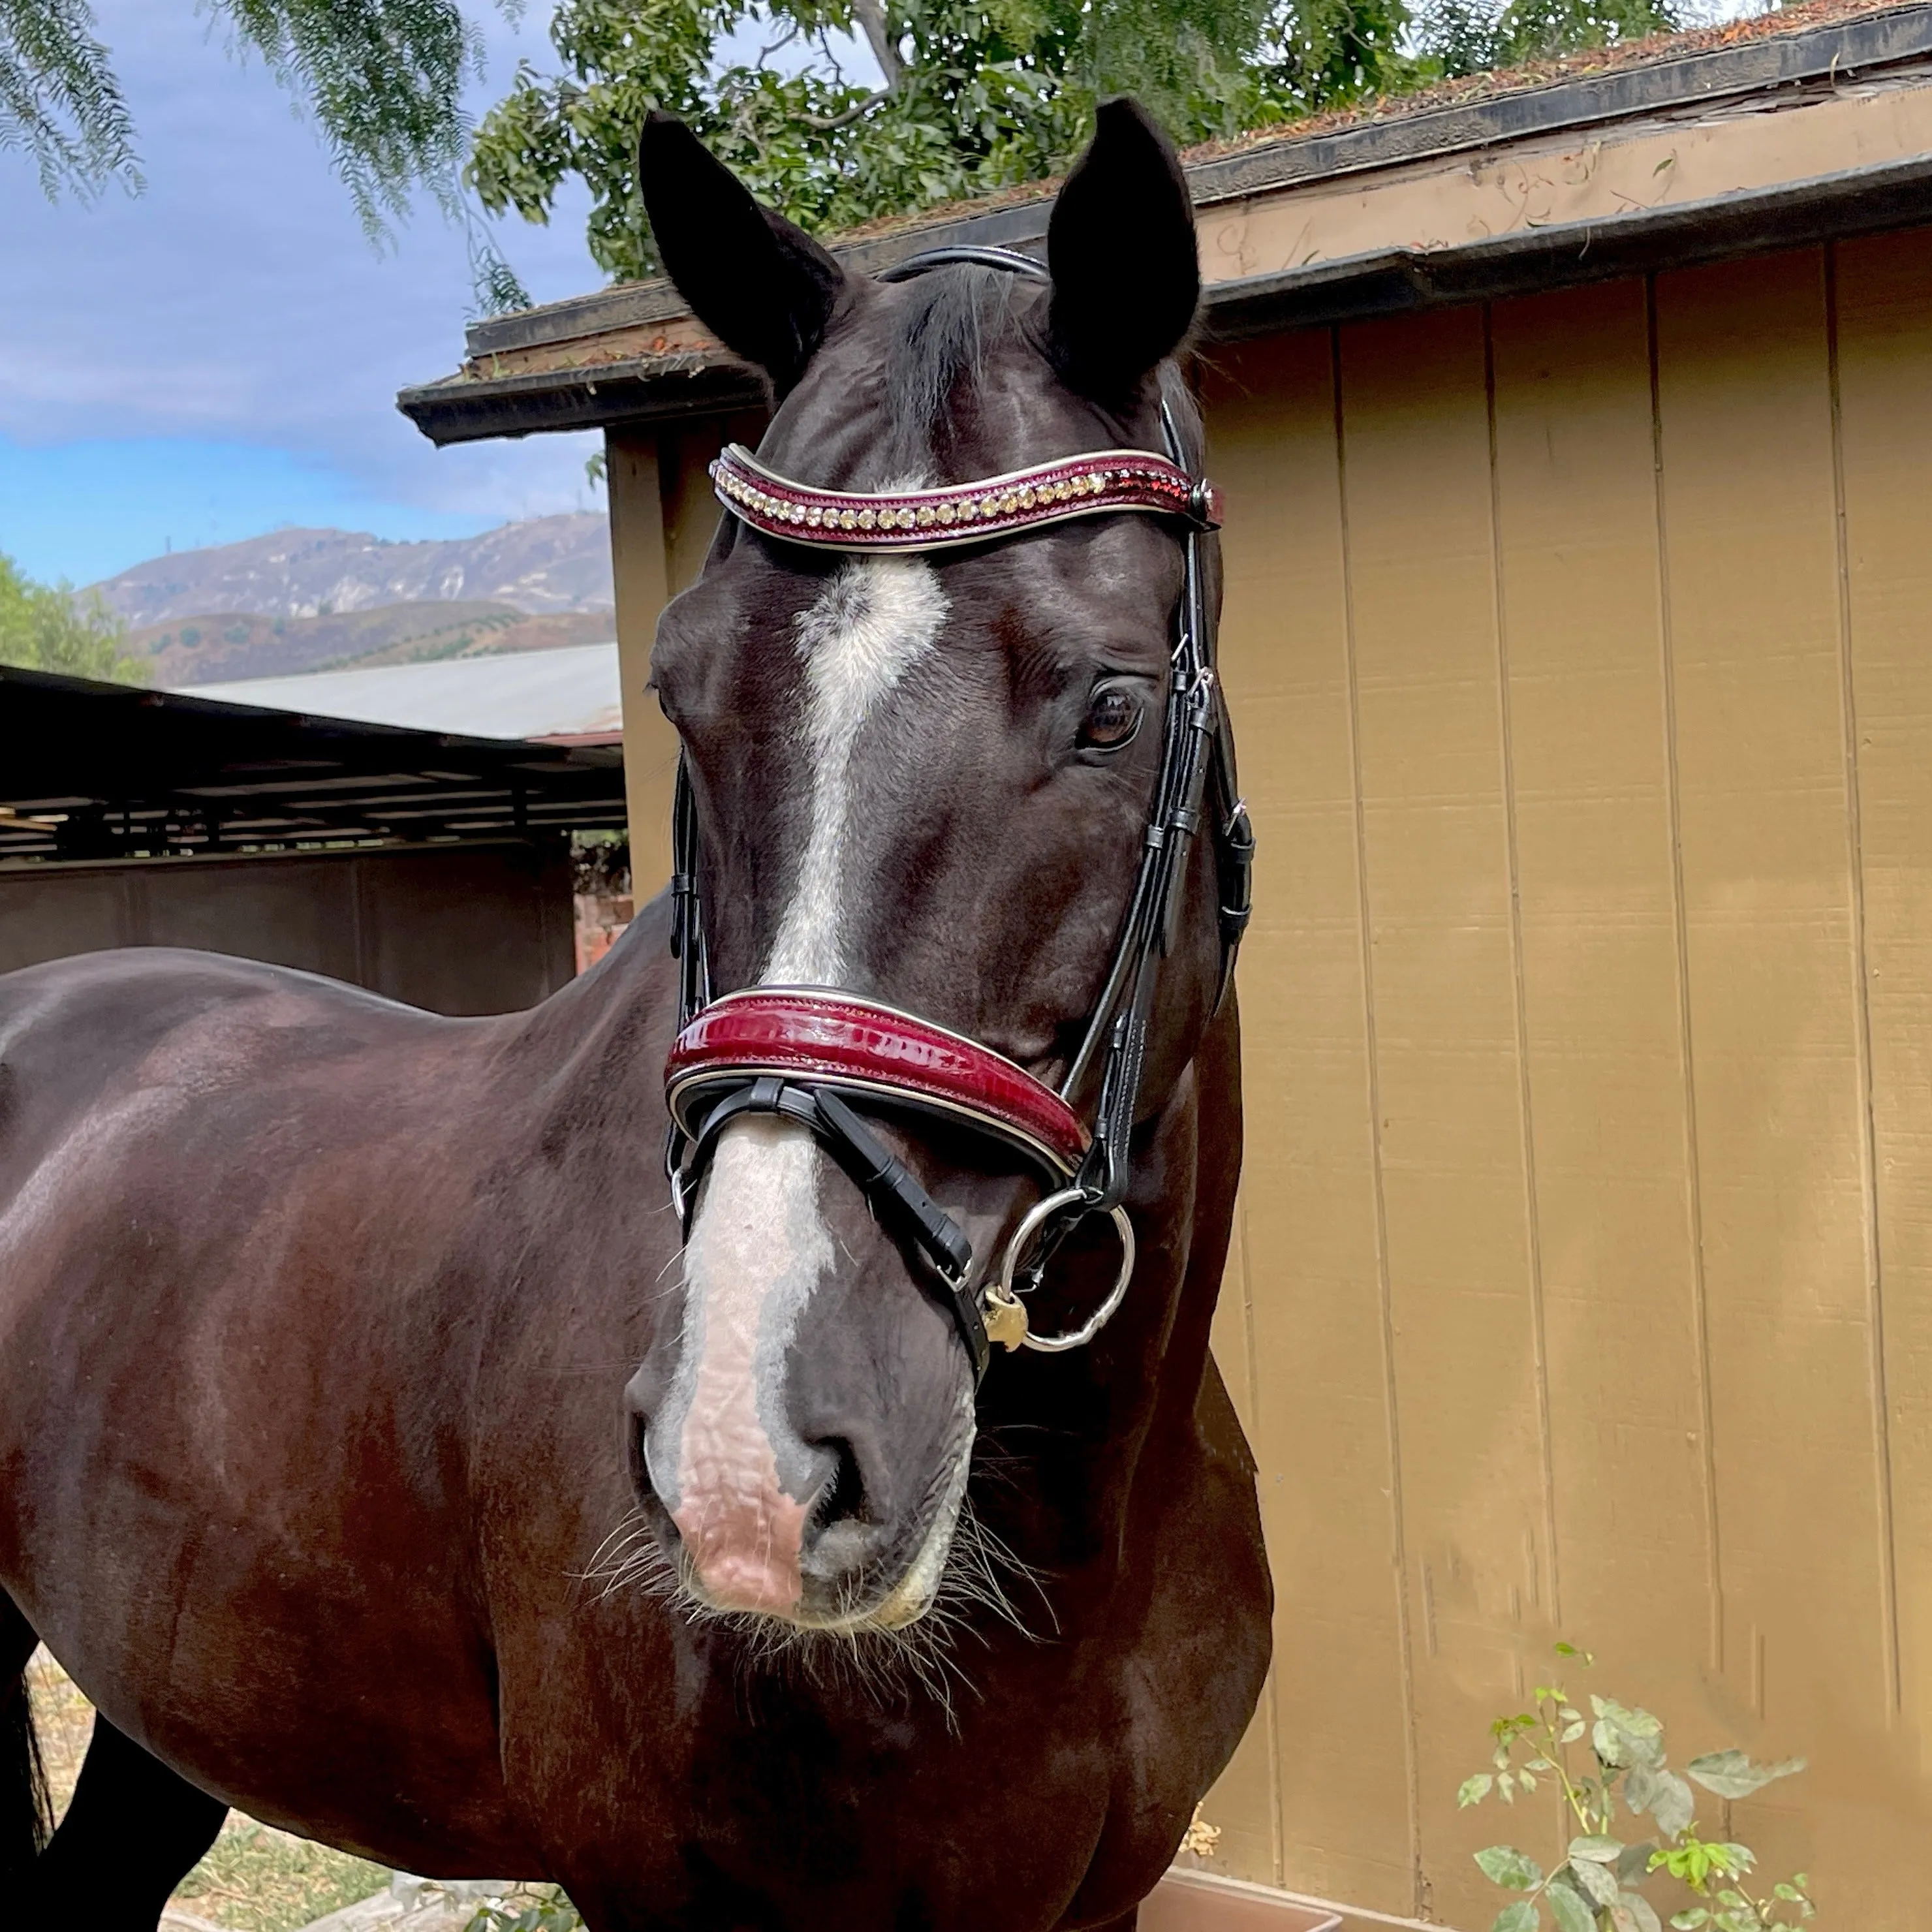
824	1058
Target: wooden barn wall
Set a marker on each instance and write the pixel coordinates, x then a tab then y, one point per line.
663	515
1581	649
480	928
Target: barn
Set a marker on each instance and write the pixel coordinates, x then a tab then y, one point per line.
432	866
1575	430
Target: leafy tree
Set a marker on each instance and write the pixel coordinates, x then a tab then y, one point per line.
43	627
383	78
1464	37
977	94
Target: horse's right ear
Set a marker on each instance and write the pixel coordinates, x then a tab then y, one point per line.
764	288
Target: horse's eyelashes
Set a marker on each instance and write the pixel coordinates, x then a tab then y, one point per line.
1113	719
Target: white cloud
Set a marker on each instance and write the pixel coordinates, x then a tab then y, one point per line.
237	301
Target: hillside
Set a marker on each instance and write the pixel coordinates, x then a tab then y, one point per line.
541	565
210	648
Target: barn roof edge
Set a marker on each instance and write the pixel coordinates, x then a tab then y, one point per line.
630	354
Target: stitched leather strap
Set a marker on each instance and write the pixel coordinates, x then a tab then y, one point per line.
886	1181
872	1053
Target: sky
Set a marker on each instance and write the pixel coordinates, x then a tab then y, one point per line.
219	356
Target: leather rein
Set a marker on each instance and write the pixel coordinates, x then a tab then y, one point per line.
825	1059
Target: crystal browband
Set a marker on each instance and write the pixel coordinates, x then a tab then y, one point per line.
1099	482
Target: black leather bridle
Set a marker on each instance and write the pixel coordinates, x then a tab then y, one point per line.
708	1089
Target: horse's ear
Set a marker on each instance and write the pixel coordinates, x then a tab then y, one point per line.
764	288
1126	275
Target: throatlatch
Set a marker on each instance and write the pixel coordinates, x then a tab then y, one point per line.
824	1058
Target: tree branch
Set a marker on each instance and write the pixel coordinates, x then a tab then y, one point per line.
871	15
855	112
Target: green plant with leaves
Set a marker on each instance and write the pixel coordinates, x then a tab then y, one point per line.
382	79
1615	1756
44	627
536	1909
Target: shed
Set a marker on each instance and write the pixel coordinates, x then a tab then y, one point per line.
1576	431
429	866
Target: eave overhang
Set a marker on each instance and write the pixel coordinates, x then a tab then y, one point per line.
1795	137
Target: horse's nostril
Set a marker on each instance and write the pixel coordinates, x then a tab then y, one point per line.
843	1499
842	1537
641	1468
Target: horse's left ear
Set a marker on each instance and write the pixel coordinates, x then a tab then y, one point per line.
763	287
1126	275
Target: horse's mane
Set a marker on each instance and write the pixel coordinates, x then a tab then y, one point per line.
943	333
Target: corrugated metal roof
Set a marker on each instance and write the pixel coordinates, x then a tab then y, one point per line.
91	771
573	693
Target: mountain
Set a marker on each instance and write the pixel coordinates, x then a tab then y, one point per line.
542	565
211	646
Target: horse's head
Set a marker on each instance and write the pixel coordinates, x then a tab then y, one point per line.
925	780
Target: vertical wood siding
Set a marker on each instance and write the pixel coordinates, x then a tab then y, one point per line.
663	516
1582	653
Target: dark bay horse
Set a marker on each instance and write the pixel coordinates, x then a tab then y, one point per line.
379	1457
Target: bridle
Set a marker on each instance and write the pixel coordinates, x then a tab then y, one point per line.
825	1059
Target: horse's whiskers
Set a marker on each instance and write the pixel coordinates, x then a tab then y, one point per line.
888	1665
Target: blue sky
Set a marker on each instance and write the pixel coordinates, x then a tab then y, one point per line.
220	356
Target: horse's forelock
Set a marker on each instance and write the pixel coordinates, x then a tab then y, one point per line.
945	321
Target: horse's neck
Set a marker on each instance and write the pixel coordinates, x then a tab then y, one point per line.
615	1020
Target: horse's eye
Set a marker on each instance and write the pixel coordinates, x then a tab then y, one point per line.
1112	718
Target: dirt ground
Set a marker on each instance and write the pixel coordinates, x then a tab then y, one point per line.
255	1879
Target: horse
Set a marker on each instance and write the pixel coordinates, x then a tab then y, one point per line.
445	1439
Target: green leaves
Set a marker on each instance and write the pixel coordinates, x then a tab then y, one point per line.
44	627
1663	1794
981	94
1463	37
1596	1850
1732	1774
987	93
1597	1886
1625	1737
383	81
59	101
1569	1909
1633	1912
549	1911
1696	1861
1505	1866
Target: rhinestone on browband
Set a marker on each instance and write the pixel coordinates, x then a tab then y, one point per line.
1100	482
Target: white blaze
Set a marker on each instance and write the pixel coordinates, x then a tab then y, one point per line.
759	1244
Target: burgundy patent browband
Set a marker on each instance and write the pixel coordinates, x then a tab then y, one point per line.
871	1051
1097	483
